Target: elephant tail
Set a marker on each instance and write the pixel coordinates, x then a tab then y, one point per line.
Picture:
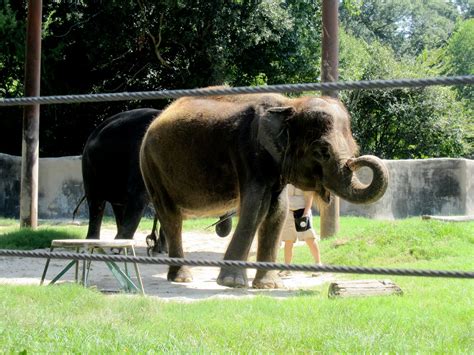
77	207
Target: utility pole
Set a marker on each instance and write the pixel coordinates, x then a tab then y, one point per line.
31	113
329	72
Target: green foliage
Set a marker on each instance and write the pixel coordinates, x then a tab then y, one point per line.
407	26
401	123
148	45
152	45
11	52
460	61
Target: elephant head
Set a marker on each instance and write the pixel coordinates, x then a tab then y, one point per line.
311	139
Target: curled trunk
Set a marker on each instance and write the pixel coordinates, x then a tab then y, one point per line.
348	186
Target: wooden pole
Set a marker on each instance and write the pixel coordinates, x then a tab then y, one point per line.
30	141
329	72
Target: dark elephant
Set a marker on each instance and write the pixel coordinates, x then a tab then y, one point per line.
212	155
111	173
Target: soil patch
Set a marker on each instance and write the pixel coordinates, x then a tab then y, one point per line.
16	270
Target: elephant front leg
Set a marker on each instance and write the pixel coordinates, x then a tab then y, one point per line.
268	242
251	213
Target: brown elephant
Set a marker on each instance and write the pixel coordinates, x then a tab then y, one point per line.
207	156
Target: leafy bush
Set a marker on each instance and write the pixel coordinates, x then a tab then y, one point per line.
401	123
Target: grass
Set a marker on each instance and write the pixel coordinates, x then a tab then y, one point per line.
366	242
12	237
433	315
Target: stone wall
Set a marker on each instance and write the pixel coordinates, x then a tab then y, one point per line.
60	187
416	187
421	187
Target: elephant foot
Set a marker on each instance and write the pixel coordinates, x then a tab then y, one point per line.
180	274
155	246
267	279
160	248
233	277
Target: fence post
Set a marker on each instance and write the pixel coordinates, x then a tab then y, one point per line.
30	138
329	72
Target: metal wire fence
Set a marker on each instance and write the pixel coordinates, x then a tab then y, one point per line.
239	264
287	88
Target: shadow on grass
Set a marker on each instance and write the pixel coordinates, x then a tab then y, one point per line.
308	293
27	239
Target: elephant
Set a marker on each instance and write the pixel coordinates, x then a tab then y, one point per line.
111	173
210	155
106	178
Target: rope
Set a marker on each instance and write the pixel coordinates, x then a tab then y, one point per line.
239	264
169	94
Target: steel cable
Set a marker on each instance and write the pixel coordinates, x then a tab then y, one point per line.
288	88
238	264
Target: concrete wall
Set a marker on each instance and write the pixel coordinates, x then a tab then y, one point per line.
416	187
60	186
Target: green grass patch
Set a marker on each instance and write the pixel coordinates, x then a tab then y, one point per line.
14	237
8	222
27	239
435	315
366	242
72	319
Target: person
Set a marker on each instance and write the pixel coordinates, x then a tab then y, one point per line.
300	203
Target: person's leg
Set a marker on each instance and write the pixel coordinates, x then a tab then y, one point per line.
288	251
314	249
288	257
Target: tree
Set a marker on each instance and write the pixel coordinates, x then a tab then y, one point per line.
111	46
460	57
401	123
460	61
407	26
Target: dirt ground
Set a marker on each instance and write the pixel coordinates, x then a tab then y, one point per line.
16	270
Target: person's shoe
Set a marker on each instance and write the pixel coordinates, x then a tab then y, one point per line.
284	273
317	273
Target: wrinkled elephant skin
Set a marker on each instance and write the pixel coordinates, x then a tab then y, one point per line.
208	156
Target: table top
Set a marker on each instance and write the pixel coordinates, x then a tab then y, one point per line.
90	243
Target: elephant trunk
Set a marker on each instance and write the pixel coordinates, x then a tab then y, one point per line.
351	189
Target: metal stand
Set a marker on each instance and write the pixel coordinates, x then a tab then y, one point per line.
89	246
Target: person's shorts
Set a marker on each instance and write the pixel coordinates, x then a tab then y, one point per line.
289	232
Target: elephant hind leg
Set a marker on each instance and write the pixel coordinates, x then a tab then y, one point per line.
132	214
171	227
96	212
169	216
119	215
157	245
171	223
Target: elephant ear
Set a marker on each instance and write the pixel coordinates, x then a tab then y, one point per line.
273	131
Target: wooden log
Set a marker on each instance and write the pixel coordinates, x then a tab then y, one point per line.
449	218
363	288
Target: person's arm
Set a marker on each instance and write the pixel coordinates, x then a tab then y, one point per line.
308	202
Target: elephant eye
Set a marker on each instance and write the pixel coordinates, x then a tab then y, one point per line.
321	151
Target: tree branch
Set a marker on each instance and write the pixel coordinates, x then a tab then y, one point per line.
156	43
